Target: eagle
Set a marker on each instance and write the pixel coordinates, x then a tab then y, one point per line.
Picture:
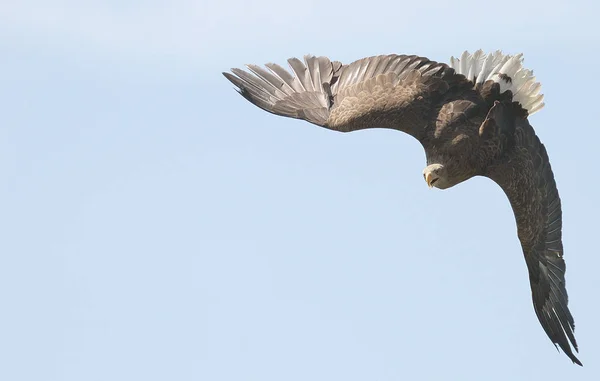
470	116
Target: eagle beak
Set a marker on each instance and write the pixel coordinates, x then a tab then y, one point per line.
428	179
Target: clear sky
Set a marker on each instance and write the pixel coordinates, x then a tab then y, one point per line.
156	226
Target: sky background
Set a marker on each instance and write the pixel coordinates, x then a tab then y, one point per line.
156	226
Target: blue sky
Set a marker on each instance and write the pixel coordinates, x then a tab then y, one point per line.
158	226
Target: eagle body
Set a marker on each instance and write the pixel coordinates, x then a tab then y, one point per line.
470	116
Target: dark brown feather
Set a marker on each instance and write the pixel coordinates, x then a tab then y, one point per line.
526	177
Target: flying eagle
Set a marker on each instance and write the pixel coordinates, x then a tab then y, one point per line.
470	117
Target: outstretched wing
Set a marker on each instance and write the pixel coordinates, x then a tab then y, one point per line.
390	91
526	178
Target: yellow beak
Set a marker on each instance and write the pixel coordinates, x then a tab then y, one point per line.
428	179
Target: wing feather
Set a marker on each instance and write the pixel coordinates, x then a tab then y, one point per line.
526	177
388	91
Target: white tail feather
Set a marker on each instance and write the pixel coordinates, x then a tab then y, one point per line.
480	67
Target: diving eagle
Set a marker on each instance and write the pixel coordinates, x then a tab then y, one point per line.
471	119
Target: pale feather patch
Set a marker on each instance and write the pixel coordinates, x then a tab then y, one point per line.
480	67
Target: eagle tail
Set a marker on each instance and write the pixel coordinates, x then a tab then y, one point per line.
504	69
303	93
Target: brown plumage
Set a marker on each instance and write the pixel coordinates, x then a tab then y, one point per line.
468	125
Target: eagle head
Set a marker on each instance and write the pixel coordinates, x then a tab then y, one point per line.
436	175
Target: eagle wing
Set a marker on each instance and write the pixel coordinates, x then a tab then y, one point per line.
388	91
527	179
